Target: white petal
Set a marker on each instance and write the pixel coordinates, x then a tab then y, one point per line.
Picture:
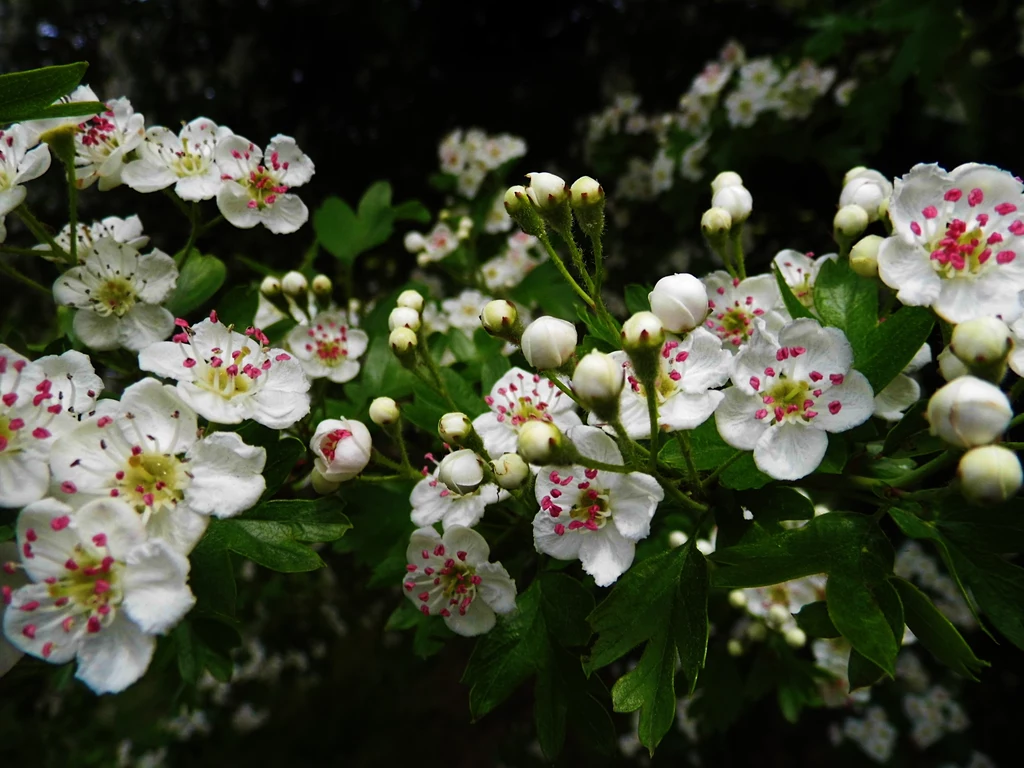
497	588
144	175
633	502
35	163
340	373
285	216
856	404
751	361
901	393
11	199
925	185
72	377
277	407
202	187
156	594
498	436
46	629
143	325
233	203
595	444
707	366
116	520
479	619
737	421
96	331
24	477
300	167
561	547
790	451
908	269
165	358
226	477
45	549
688	411
115	657
179	526
468	510
160	413
357	342
158	276
827	350
606	554
458	539
994	294
422	540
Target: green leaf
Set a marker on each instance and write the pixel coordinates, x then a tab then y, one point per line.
913	422
636	298
28	95
282	456
212	577
270	534
834	460
855	608
936	632
199	279
689	623
188	654
566	604
892	345
6	533
813	619
996	585
544	287
710	451
847	301
794	306
238	306
650	687
338	229
770	505
375	215
412	210
998	529
493	368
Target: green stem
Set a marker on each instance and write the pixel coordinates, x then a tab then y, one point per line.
1016	390
1016	421
721	468
423	350
941	461
180	204
1013	446
565	390
406	472
38	230
577	260
736	237
652	414
621	469
683	438
21	251
193	217
7	269
679	496
379	478
598	248
627	442
560	266
210	224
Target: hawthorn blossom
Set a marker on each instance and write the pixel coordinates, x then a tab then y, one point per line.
800	270
464	310
127	231
35	129
118	294
903	391
10	579
735	305
101	590
103	141
434	246
39	402
956	245
186	160
688	372
19	163
517	397
450	576
497	219
144	451
594	515
434	502
342	449
788	393
781	601
227	377
328	347
255	188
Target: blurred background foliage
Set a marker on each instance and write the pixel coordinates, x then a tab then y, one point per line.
368	89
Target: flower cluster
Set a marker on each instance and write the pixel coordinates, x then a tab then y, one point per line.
470	155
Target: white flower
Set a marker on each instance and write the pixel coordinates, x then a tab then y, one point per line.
450	576
10	579
903	391
144	451
689	163
516	398
469	180
253	193
39	402
743	107
956	244
464	310
662	171
736	304
688	372
342	448
711	80
437	244
595	516
127	231
18	164
789	393
118	294
103	141
328	347
34	129
452	152
227	377
759	75
101	591
432	501
800	271
185	160
497	219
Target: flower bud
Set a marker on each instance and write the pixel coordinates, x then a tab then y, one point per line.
715	222
549	342
737	200
461	471
738	598
540	442
414	242
795	637
499	317
984	341
454	427
384	411
522	211
725	179
402	341
968	412
734	647
322	285
864	256
854	173
294	283
465	228
342	449
680	301
644	330
403	317
510	471
585	192
990	474
866	192
598	381
950	366
850	221
779	615
322	485
270	286
677	539
410	299
757	631
547	191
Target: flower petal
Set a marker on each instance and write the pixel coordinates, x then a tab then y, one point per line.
737	421
855	400
226	475
156	593
115	657
606	554
497	588
790	451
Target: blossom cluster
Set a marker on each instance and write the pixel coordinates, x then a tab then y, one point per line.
470	155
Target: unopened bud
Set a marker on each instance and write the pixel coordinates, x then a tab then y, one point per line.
411	300
738	598
510	471
547	191
715	222
737	200
414	242
644	330
404	317
677	539
454	427
465	228
778	615
322	285
734	647
540	442
864	256
549	342
294	284
983	343
461	472
680	301
522	211
587	199
341	448
597	382
757	631
866	191
501	318
270	286
321	484
795	637
725	179
854	173
402	342
950	366
384	411
990	474
968	412
850	221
